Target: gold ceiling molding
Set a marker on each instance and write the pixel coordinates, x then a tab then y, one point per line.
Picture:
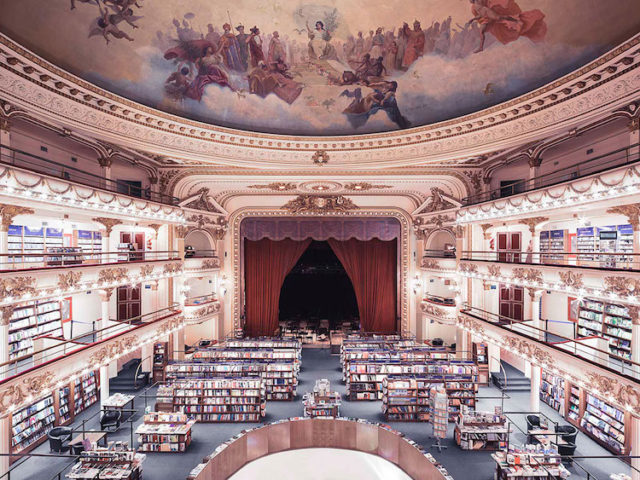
632	212
533	222
276	186
201	202
319	204
560	103
320	157
364	186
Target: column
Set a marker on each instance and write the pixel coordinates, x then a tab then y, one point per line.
534	169
105	170
493	351
4	341
105	296
5	140
106	247
634	137
463	344
534	395
178	345
635	447
536	296
5	443
147	352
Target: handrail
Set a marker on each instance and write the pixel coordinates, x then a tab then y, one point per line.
209	298
438	300
51	353
44	166
429	253
557	176
200	253
598	260
626	367
10	262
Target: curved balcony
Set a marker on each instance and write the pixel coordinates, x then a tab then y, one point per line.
441	309
201	308
199	261
442	262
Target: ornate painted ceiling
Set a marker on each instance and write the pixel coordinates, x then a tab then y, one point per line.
336	68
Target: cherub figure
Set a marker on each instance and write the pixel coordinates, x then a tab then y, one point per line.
106	25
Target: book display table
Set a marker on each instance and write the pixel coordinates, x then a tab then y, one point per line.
482	431
164	432
116	462
529	462
322	402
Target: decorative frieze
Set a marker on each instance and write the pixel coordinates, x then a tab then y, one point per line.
17	287
319	204
112	275
9	212
69	280
571	279
533	222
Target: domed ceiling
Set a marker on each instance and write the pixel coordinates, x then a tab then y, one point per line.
338	67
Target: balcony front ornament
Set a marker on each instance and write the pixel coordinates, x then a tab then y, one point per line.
9	212
112	350
28	389
528	275
571	279
69	280
172	268
112	275
431	264
210	263
468	268
16	287
146	270
622	286
494	270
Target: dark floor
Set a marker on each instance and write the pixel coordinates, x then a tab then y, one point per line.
318	363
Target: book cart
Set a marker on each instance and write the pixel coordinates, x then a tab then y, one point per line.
164	432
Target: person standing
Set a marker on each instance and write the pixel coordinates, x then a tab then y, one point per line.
255	47
243	48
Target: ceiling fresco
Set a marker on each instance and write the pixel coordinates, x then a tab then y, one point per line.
338	67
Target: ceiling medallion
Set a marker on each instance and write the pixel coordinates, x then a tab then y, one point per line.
319	204
320	157
276	186
363	186
323	186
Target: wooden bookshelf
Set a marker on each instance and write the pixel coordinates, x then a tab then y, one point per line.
164	432
118	462
609	320
481	431
217	399
160	360
31	320
85	391
553	391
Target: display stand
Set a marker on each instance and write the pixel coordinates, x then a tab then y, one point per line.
116	462
160	360
322	402
482	431
439	415
530	461
164	432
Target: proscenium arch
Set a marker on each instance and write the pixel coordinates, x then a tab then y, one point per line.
404	247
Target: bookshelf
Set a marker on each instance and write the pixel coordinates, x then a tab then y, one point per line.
573	406
164	432
481	431
322	401
89	242
400	400
439	413
608	320
85	392
280	378
29	425
481	357
23	240
217	399
529	462
31	320
587	244
604	423
117	462
553	244
160	360
553	391
63	407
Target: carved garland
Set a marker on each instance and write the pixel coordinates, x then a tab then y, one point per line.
69	280
112	275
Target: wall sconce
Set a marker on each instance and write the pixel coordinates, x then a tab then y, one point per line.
417	284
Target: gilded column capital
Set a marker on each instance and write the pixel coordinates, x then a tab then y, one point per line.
9	212
107	223
533	222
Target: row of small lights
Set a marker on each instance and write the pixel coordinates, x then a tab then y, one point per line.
177	216
567	199
96	365
59	292
557	287
554	370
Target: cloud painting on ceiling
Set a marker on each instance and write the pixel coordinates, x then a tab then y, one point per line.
338	67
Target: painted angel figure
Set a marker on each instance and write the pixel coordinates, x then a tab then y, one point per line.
506	21
107	24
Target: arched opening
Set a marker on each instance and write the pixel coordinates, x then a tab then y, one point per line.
199	243
441	244
317	294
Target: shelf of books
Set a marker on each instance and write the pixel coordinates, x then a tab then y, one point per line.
249	343
529	462
553	245
32	320
85	392
574	405
223	353
606	424
160	360
29	425
89	242
607	320
553	391
481	357
281	377
322	401
482	431
63	407
164	432
117	462
439	412
217	399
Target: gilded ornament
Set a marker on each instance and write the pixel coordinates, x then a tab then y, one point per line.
571	279
494	270
146	270
364	186
430	263
9	212
276	186
210	263
113	275
319	204
533	222
107	223
16	287
69	280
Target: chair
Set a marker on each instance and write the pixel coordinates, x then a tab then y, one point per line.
111	419
59	438
568	433
567	449
533	423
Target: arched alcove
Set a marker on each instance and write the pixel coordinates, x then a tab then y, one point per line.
439	241
199	240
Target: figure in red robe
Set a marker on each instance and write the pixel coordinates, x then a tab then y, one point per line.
415	43
209	71
506	21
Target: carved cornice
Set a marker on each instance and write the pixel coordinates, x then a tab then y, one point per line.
631	211
155	227
202	202
56	94
9	212
107	223
319	204
27	389
485	227
443	315
276	186
364	186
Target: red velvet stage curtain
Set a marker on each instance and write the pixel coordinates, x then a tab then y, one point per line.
267	263
371	266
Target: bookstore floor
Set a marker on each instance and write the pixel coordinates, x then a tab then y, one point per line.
316	364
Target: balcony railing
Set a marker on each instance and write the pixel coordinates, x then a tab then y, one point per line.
599	260
200	253
451	253
26	261
201	300
58	347
601	163
437	300
44	166
577	347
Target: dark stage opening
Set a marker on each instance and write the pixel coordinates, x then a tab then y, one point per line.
318	289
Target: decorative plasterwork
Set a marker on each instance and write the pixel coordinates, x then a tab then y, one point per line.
527	275
494	270
210	264
111	275
9	212
173	268
276	186
621	392
485	227
613	184
52	93
17	287
181	231
571	279
113	349
446	315
107	223
320	157
319	204
18	186
364	186
200	201
623	286
69	281
437	201
533	222
468	268
632	213
202	312
430	263
403	253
